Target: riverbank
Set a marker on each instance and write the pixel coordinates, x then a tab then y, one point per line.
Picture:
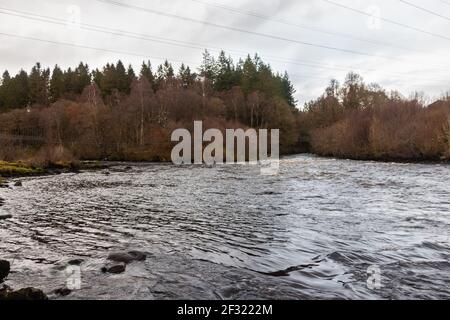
24	169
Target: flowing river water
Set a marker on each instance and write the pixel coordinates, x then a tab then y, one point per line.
227	232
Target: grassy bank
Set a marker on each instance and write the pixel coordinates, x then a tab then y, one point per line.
23	169
18	169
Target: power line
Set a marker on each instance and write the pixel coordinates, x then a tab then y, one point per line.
425	10
168	41
171	15
122	33
74	45
387	20
301	26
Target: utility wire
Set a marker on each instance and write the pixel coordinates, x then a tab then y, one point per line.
425	9
300	26
74	45
260	34
122	33
387	20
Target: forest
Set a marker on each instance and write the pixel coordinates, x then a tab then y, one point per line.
115	113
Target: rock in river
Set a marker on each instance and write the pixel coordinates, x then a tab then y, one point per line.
63	292
127	257
18	184
116	269
22	294
6	293
75	262
5	267
5	216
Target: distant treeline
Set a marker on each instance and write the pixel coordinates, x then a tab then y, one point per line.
361	121
119	114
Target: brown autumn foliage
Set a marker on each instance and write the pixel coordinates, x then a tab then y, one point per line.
134	127
393	128
355	120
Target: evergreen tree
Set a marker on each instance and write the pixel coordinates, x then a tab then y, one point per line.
249	77
146	71
160	76
83	78
108	79
97	77
168	70
57	84
6	78
70	81
185	75
121	78
131	77
20	90
208	68
226	76
289	91
39	82
5	83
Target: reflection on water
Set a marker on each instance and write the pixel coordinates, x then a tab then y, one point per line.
228	232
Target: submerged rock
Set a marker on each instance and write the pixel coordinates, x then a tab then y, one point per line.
75	262
63	292
22	294
138	255
5	268
18	184
5	216
127	257
116	269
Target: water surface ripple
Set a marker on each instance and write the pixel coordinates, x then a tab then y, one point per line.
229	233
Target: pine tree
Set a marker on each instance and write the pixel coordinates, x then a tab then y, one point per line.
160	76
6	78
70	81
208	68
131	77
146	71
249	76
108	79
288	91
226	76
185	75
168	70
39	81
57	84
97	77
20	90
121	78
83	78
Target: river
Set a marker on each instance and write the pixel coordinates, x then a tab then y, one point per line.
227	232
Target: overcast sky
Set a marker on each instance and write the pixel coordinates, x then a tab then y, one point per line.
314	40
